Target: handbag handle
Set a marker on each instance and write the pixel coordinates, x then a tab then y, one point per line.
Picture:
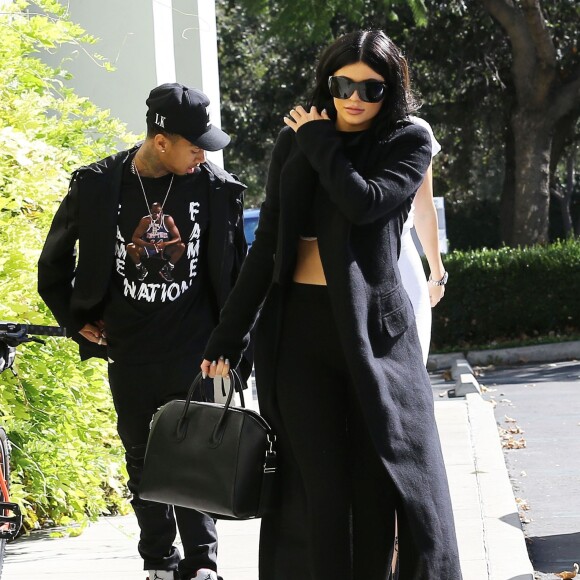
240	390
218	431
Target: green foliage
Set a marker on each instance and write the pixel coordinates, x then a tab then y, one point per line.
67	462
262	78
316	21
507	294
472	223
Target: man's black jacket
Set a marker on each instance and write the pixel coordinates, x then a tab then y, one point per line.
74	285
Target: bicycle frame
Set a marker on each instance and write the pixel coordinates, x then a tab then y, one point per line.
12	335
9	524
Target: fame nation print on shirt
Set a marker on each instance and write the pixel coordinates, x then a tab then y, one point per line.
154	269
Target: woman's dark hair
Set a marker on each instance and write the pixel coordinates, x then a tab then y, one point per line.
379	52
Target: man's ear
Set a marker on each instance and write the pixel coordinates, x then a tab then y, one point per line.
160	142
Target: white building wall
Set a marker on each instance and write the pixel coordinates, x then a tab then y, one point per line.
149	42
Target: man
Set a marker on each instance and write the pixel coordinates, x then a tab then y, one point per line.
152	328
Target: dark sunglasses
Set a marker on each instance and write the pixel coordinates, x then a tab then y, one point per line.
368	91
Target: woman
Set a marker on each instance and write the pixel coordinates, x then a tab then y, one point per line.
424	294
338	362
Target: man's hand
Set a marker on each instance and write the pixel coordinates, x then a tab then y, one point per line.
299	116
94	332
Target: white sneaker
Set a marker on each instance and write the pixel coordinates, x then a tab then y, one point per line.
205	574
161	575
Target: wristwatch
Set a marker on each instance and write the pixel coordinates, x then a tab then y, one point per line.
441	282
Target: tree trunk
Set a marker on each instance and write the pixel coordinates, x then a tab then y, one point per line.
567	196
532	178
508	192
564	197
543	97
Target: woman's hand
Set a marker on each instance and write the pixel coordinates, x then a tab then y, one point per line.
217	368
299	116
435	294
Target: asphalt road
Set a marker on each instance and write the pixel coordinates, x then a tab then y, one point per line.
538	406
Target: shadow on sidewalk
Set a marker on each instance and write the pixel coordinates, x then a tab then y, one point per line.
544	373
551	554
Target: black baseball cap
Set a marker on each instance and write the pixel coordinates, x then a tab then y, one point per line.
183	111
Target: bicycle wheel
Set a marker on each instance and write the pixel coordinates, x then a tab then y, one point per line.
5	474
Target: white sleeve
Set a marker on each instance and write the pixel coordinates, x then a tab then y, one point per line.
435	145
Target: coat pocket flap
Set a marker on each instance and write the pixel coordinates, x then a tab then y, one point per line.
396	321
394	313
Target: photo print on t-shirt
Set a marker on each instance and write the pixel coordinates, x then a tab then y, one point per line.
164	263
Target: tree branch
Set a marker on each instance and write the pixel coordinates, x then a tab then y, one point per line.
566	99
538	28
510	18
534	56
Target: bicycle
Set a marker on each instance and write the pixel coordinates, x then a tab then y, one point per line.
11	336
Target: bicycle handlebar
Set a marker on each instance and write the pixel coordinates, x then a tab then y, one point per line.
18	333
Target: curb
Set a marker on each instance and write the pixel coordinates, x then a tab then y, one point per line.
504	541
540	353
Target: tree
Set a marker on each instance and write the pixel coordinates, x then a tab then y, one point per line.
546	79
306	21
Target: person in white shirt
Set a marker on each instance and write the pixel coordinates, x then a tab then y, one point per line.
424	293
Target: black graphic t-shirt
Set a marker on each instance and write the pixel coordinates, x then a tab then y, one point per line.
159	296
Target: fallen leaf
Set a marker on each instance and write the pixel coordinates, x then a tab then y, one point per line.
522	503
512	443
568	575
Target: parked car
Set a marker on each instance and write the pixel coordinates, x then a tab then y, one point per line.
251	217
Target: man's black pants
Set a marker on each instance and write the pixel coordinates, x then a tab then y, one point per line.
138	391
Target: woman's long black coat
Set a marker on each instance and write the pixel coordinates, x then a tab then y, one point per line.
360	210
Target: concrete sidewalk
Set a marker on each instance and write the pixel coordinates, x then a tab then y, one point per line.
491	542
489	532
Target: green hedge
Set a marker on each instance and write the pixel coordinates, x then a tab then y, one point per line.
509	294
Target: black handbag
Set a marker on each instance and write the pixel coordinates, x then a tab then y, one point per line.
211	457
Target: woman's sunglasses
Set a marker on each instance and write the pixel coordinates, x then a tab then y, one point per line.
369	91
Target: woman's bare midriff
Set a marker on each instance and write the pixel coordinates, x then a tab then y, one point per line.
308	265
